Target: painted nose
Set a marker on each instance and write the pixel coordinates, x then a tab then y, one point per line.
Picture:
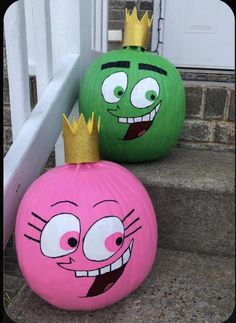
114	110
71	260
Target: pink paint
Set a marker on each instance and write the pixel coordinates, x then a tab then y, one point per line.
108	286
83	212
114	241
141	133
67	240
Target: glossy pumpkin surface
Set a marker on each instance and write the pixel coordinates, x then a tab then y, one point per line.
140	98
86	235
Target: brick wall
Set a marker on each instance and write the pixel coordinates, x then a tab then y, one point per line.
210	116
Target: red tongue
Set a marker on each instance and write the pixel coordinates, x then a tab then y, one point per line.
137	129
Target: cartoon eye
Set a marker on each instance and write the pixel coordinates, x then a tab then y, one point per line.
60	236
145	93
114	86
104	239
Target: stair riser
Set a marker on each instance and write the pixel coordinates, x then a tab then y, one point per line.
194	220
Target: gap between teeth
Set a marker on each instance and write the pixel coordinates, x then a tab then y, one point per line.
147	117
115	265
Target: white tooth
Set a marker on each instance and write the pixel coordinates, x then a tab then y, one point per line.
157	108
116	264
92	273
153	114
81	273
123	120
105	270
126	256
145	118
131	245
138	119
130	120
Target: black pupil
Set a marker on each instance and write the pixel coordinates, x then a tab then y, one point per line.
153	97
72	242
119	241
120	93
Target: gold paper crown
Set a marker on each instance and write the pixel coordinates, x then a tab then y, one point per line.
81	140
136	31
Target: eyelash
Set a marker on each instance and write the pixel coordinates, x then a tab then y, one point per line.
33	226
125	218
131	224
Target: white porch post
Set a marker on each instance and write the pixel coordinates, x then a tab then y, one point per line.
18	76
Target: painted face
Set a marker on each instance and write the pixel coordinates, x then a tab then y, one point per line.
140	98
86	235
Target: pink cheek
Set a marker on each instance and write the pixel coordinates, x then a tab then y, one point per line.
111	242
69	237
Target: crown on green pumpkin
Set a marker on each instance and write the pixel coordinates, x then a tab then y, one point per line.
136	31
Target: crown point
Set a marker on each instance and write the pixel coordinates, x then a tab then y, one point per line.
134	12
82	123
92	127
144	18
82	117
64	118
150	21
74	119
99	123
66	123
74	124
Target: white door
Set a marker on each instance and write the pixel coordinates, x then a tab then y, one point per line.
196	33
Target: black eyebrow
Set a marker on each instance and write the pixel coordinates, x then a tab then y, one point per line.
151	68
65	202
125	64
105	201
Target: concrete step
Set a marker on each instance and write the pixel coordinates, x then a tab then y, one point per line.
193	195
182	287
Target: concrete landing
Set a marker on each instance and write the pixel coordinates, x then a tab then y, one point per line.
182	287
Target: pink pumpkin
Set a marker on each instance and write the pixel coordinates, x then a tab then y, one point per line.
86	235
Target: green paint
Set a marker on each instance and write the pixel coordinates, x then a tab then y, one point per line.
120	92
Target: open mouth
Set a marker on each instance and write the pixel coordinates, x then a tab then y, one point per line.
139	125
106	276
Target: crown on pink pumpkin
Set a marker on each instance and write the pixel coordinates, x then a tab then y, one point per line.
81	140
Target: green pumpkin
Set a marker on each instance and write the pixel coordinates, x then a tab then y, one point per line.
140	98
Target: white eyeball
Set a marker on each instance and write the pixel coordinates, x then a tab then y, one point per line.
104	239
114	87
145	92
60	236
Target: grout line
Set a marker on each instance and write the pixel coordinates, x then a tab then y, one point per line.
203	103
226	107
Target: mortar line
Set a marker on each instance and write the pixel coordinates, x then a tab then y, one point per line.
203	103
226	107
